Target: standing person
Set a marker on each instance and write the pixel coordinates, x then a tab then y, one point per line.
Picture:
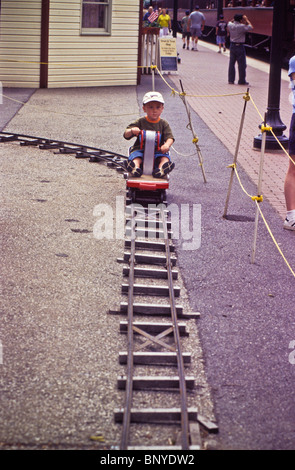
196	25
148	14
164	21
289	187
237	30
221	33
153	106
185	30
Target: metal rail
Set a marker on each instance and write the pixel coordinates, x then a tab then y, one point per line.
129	384
82	151
182	385
173	352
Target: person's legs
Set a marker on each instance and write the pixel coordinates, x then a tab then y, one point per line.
231	66
134	163
198	35
193	39
241	58
218	42
289	186
187	40
163	165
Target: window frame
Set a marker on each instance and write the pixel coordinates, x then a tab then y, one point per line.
107	31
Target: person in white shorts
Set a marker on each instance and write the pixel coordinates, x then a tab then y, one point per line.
196	25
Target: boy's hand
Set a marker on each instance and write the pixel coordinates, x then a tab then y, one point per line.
135	131
165	148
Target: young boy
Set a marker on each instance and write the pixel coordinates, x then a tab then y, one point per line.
221	33
153	105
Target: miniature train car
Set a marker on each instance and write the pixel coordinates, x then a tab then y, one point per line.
146	188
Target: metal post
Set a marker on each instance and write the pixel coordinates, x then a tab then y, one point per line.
195	139
274	88
43	80
219	8
236	155
259	188
174	25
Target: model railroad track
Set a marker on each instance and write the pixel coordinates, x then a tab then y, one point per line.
80	151
150	254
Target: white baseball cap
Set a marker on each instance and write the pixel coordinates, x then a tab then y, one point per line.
153	96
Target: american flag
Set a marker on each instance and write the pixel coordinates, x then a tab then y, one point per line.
153	16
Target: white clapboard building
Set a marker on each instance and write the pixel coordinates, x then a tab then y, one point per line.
69	43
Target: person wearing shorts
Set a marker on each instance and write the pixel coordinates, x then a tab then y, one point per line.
186	34
153	106
221	33
196	25
289	186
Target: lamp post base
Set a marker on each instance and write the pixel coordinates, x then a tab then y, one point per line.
271	143
272	118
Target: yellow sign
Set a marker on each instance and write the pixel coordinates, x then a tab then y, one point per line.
168	47
168	54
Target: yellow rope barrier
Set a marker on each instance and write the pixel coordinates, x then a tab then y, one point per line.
257	200
268	128
68	114
274	240
174	92
64	64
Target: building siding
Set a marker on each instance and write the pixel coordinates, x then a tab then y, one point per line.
75	60
20	29
92	60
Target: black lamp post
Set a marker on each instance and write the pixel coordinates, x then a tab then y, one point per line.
174	24
219	8
274	87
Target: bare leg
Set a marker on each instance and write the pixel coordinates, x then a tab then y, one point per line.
162	161
289	187
137	162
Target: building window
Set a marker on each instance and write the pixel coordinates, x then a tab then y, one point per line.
96	16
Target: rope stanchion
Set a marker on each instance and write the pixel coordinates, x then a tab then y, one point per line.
264	129
246	98
257	200
195	138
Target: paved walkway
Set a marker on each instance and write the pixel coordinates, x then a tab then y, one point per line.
203	73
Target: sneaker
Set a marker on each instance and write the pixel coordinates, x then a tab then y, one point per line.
183	47
188	48
244	83
289	224
224	49
134	170
166	168
219	52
